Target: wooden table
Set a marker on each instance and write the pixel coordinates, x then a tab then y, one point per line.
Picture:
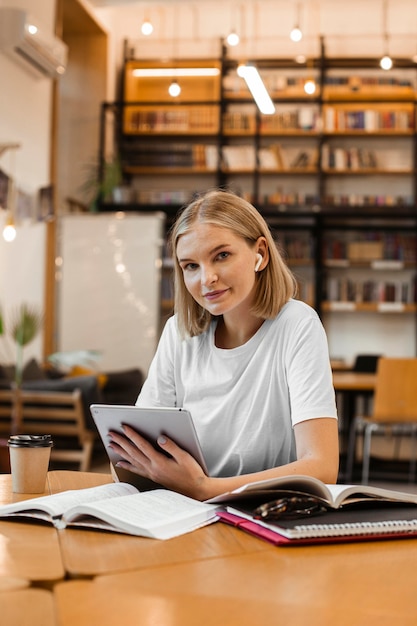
371	584
215	575
28	551
353	381
29	555
94	552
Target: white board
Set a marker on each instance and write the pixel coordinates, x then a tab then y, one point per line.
110	286
22	281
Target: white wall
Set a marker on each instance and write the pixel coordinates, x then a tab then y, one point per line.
25	109
25	118
349	28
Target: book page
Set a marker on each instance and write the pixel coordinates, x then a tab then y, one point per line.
304	484
349	494
160	513
57	504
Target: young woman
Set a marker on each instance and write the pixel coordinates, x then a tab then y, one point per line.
250	362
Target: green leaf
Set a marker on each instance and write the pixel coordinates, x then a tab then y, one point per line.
26	323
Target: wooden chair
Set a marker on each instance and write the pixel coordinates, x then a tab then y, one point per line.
6	408
394	412
60	415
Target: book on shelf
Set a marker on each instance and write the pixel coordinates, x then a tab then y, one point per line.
163	514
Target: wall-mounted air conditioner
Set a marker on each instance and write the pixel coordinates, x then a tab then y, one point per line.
24	40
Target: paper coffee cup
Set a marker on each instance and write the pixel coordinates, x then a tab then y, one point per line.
29	462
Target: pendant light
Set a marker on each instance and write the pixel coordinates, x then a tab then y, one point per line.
386	61
174	89
233	38
296	34
146	28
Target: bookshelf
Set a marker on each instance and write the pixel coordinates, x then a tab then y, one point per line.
336	169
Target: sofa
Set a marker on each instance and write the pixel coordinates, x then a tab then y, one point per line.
118	387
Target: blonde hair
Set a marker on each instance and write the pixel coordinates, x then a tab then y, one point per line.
275	284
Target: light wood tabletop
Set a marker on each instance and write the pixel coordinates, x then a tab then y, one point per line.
353	381
95	552
27	607
27	551
215	575
370	584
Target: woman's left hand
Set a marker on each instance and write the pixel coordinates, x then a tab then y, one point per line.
172	467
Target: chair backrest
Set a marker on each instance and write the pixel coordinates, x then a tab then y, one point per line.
60	415
6	408
395	397
366	363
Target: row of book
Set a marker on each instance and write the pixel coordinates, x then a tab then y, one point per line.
272	158
367	119
182	119
365	200
372	246
296	247
174	155
277	82
343	159
367	81
295	119
161	196
206	119
370	291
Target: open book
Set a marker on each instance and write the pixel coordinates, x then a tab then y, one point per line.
349	512
119	507
334	496
162	514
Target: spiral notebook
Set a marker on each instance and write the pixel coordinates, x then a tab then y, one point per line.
380	521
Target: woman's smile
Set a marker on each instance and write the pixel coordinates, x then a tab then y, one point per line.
214	295
218	268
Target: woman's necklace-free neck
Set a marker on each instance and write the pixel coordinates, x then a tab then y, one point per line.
228	337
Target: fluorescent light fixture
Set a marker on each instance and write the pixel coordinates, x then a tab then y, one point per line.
161	72
257	88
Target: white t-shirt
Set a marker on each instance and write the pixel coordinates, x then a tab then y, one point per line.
245	401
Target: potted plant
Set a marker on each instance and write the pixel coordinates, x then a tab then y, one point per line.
25	323
104	183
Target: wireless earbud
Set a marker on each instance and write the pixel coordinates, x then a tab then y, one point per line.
258	262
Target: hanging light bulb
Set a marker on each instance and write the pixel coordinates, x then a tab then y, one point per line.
147	28
9	230
174	89
310	86
233	38
296	33
386	61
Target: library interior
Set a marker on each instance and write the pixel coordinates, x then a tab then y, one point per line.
115	115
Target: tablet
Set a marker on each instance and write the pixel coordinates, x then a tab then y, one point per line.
175	423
